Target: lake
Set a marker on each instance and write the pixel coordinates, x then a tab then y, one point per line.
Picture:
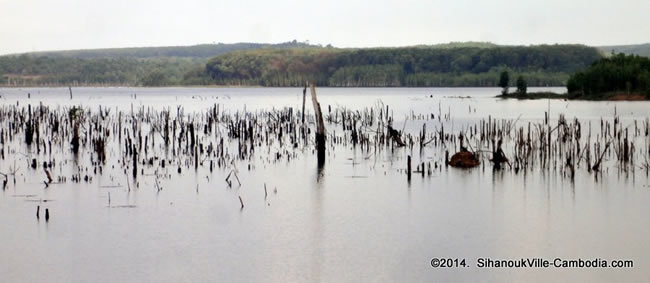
357	218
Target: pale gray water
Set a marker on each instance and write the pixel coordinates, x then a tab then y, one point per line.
361	221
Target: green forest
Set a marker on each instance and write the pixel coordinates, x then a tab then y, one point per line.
544	65
293	63
620	73
145	66
50	71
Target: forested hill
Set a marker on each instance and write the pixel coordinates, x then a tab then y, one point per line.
193	51
412	66
292	63
144	66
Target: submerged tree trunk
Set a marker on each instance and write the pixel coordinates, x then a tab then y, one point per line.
320	128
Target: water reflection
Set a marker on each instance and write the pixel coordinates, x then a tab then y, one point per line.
323	225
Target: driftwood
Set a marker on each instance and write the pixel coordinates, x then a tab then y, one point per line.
233	172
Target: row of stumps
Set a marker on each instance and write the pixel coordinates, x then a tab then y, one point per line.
420	169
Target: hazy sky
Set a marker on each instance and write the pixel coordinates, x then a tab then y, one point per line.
32	25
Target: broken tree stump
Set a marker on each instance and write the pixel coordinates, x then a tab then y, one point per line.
499	157
408	167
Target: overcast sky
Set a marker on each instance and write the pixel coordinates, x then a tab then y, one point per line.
33	25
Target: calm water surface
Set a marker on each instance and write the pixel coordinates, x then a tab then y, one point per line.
356	220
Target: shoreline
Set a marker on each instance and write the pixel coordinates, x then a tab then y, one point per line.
608	96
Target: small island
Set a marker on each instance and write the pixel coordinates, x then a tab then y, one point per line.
617	77
522	89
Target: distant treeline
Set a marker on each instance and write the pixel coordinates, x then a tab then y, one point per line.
414	67
48	71
293	63
628	74
145	66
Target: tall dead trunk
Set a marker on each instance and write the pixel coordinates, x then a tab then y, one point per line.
320	128
304	93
